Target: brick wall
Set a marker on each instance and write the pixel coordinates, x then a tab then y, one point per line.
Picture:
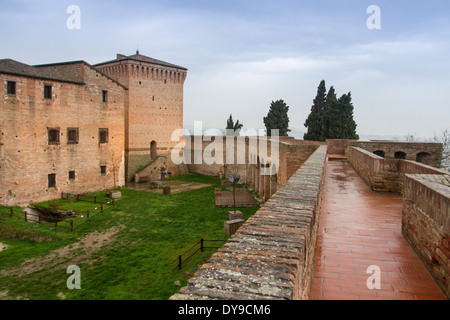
410	150
338	146
270	256
154	109
426	223
291	156
385	175
28	158
380	174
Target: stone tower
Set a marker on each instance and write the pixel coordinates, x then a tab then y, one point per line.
154	107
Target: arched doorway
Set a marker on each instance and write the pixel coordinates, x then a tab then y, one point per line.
379	153
423	157
153	150
400	155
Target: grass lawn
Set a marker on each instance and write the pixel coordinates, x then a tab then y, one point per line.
123	253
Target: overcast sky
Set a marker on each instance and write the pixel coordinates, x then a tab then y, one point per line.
243	54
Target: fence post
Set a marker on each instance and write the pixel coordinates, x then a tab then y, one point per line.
95	199
201	244
87	214
179	262
11	211
25	216
71	225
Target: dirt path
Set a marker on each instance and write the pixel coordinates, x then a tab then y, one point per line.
72	254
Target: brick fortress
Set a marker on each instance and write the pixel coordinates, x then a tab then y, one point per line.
73	127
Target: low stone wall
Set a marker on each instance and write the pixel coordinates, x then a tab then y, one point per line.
386	175
338	146
409	149
426	223
382	175
271	255
291	155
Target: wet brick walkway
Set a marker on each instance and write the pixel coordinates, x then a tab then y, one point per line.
358	229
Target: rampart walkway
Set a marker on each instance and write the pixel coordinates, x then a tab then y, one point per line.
359	228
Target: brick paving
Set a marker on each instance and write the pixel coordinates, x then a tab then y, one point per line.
360	228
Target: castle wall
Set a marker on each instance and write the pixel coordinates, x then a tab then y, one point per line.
426	223
154	108
271	255
27	157
385	175
337	146
289	159
410	150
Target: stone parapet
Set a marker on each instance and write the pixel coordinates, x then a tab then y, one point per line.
271	254
386	175
426	223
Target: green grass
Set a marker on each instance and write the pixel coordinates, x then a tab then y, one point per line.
155	229
85	203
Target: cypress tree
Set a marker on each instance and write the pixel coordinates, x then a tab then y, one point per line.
231	125
330	120
314	121
338	122
277	118
348	123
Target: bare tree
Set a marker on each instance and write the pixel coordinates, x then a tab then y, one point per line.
444	138
410	137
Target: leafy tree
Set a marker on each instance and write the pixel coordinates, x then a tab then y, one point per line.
338	120
331	118
444	138
314	120
231	125
277	118
348	124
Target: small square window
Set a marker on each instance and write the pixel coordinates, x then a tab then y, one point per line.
11	87
103	135
47	91
72	175
103	170
72	135
53	135
104	96
52	180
